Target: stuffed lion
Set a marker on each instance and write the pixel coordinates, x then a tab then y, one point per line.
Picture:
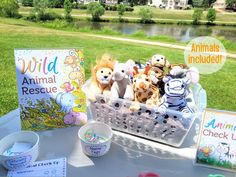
102	75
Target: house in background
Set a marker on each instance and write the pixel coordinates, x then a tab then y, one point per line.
155	3
219	4
169	4
108	2
111	2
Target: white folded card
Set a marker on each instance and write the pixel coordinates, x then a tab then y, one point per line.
55	167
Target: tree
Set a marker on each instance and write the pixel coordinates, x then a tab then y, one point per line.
231	3
197	3
68	8
211	15
121	10
56	3
208	3
40	6
197	15
9	8
96	10
145	14
27	3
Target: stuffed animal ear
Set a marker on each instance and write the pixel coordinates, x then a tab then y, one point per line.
166	79
130	65
167	63
147	68
175	70
193	75
135	70
187	80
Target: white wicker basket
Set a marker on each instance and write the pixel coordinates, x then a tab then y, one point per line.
146	122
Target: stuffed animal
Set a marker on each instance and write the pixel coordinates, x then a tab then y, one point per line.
144	90
157	72
176	90
122	87
192	73
159	61
102	76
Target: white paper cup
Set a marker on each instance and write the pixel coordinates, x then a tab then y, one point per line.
25	158
96	149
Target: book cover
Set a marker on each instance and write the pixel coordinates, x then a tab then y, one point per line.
217	141
49	88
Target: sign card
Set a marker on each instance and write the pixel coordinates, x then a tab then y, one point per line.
217	142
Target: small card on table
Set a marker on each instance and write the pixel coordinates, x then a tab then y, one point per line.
217	141
55	167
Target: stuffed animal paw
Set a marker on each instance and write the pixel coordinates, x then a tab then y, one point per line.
134	107
187	115
162	109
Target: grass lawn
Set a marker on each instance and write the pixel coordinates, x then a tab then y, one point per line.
157	13
220	86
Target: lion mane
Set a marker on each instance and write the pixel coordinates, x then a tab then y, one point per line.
105	61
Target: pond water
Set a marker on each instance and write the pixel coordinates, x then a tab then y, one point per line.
180	32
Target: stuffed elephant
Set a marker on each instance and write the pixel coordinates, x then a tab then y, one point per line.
122	87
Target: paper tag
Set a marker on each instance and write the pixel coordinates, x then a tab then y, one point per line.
55	167
18	148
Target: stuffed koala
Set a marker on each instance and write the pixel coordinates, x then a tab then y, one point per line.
122	87
176	90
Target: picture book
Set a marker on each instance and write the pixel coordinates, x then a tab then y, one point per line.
217	141
49	88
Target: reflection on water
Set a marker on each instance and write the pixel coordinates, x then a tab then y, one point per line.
182	33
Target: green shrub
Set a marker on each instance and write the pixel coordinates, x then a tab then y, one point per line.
75	5
9	8
197	3
145	14
129	8
55	3
197	15
31	17
49	16
211	15
27	3
82	6
231	4
110	8
68	8
40	6
96	10
121	10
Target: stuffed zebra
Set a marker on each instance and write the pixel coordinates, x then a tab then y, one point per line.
176	90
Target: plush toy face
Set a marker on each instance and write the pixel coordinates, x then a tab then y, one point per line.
141	82
104	75
175	87
121	71
159	61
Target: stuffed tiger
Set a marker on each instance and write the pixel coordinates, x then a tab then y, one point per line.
175	96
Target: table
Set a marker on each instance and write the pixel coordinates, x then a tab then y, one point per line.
128	156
